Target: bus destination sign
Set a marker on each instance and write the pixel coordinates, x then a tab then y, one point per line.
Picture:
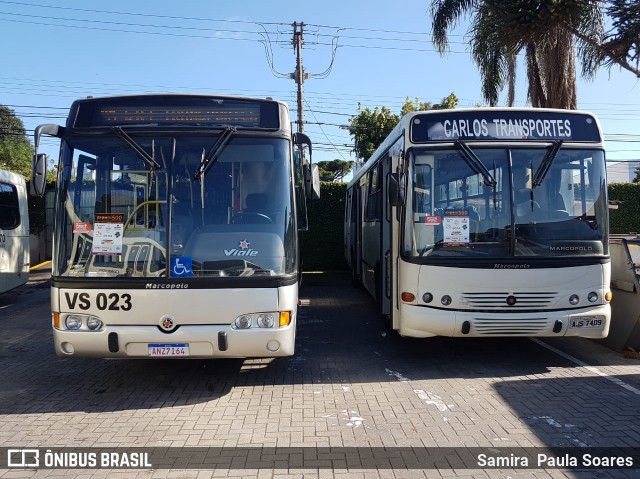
504	125
193	111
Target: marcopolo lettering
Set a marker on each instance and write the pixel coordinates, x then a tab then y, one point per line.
166	286
571	249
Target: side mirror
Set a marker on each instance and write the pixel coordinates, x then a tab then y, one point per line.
38	175
312	181
48	129
301	139
395	188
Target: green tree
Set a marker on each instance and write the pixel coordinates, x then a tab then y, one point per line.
334	170
16	152
369	128
546	31
447	102
621	44
637	178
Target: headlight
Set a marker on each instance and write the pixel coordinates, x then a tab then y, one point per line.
265	321
593	297
73	321
446	300
574	299
243	322
94	323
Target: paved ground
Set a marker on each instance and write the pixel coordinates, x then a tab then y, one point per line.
349	387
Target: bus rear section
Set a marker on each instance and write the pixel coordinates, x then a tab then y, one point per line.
485	222
14	231
176	234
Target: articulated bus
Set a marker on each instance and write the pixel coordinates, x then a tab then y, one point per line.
177	226
485	222
14	231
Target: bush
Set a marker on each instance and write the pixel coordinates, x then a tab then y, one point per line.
626	218
323	244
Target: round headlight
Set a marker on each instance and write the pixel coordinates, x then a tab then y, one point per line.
427	297
73	322
446	300
265	321
243	322
574	299
593	297
94	323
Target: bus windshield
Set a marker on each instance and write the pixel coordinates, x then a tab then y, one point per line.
135	205
541	202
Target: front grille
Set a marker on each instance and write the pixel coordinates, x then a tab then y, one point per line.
509	326
498	300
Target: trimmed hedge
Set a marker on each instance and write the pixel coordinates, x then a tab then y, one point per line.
323	247
626	218
323	244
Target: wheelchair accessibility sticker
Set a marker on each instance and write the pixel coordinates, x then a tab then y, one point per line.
181	266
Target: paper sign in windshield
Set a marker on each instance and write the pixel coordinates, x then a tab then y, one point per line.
455	225
432	220
107	233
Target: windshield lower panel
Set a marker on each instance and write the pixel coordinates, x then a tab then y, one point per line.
120	214
453	212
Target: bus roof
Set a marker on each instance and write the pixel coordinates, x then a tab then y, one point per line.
11	177
490	124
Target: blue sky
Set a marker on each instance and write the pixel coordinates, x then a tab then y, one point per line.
357	51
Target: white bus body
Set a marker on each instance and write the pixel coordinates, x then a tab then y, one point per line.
485	223
176	227
14	231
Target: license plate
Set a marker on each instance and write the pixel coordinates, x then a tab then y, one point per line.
168	350
586	322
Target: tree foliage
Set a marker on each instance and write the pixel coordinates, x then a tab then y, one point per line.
622	43
334	170
447	102
369	127
546	31
15	149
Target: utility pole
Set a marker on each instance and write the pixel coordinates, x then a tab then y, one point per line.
299	75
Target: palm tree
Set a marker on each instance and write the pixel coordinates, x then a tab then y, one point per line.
544	30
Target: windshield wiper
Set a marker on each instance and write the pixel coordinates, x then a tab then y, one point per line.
149	160
543	169
475	164
212	155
